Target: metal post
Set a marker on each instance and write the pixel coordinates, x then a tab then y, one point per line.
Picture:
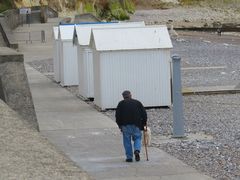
43	39
2	96
28	16
30	38
178	119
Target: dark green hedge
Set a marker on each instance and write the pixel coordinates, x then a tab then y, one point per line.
5	4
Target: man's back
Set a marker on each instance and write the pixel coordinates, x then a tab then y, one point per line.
131	111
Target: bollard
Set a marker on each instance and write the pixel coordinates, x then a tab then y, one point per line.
30	38
43	36
178	119
2	96
28	19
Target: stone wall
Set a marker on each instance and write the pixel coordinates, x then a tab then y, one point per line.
14	85
7	34
13	19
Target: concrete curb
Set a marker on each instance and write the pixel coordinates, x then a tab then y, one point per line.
210	90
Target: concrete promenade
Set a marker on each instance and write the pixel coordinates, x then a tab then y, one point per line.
88	137
93	140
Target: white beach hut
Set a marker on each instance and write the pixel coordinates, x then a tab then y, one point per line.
136	59
56	61
82	34
68	56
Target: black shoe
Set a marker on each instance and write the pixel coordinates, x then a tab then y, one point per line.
137	156
129	160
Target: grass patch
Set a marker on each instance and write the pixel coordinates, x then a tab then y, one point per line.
114	9
129	6
118	12
5	5
88	7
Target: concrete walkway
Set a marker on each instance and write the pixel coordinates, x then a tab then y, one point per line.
93	140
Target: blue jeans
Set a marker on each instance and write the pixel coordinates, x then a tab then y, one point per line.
131	132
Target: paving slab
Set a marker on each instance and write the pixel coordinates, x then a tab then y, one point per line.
56	108
99	152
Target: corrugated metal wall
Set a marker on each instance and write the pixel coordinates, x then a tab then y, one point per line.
56	60
88	59
146	73
97	79
85	61
69	73
81	86
61	60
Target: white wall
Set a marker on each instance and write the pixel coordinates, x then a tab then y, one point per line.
56	60
85	72
69	65
146	73
97	79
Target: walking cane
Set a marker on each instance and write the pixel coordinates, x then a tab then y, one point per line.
145	141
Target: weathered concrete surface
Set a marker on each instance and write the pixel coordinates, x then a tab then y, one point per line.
7	34
25	154
12	18
14	85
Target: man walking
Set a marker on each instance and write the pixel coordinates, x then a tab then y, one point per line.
131	117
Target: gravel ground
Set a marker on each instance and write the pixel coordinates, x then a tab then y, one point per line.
188	16
44	66
216	117
212	120
218	55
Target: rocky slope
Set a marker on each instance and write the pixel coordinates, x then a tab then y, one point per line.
179	13
190	17
105	9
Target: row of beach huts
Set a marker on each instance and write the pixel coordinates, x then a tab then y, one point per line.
104	59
